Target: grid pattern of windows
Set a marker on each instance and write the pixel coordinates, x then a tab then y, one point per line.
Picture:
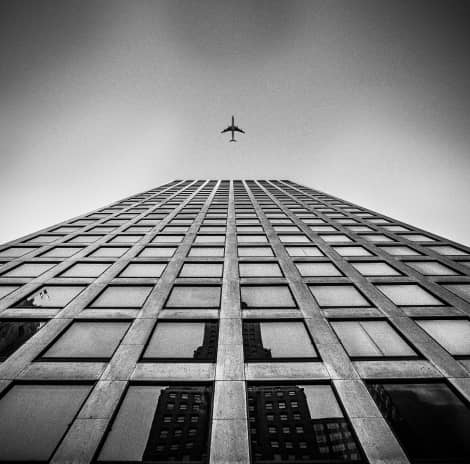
232	321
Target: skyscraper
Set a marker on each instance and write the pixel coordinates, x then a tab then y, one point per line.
234	322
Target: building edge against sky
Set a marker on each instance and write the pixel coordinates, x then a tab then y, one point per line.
234	321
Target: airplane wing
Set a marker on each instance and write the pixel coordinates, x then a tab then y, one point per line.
228	129
237	129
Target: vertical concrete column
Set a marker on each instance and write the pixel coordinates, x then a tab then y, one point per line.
229	440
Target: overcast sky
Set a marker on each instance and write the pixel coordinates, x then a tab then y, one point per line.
366	100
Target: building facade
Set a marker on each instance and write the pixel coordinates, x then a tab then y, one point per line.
217	321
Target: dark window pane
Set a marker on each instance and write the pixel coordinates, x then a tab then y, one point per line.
84	339
195	340
156	424
35	417
14	333
430	421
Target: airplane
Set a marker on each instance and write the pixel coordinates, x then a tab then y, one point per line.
233	128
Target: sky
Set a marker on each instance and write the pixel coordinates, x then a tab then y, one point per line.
365	100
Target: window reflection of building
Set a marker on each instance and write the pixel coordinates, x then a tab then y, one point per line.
282	429
208	349
253	342
180	426
14	333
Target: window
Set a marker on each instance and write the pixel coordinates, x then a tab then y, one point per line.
323	229
86	270
396	228
408	295
244	229
209	239
44	238
206	251
429	419
16	252
461	290
417	237
294	238
50	296
376	238
276	340
399	250
352	251
7	289
35	418
252	239
201	270
295	251
125	296
168	239
286	229
126	238
452	334
335	238
157	252
301	423
29	270
192	296
141	430
254	251
15	333
338	296
378	268
317	269
261	269
62	252
360	229
109	252
196	340
371	339
431	268
88	339
447	250
85	238
266	296
143	270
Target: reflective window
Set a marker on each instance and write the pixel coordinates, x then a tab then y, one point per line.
126	239
303	251
408	295
29	270
155	421
447	250
323	229
195	340
338	295
255	251
431	268
252	239
209	239
86	339
399	250
50	296
168	239
396	228
260	270
16	252
206	251
335	238
61	252
352	251
272	340
14	334
192	296
376	238
44	238
452	334
299	423
371	339
157	252
417	237
429	419
375	269
143	270
293	238
35	418
7	289
266	296
201	270
109	252
286	229
85	270
461	290
85	239
318	269
125	296
360	229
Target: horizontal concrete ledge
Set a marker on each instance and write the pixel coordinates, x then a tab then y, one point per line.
174	371
396	369
63	371
286	371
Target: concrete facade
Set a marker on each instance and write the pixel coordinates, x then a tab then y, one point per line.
283	212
